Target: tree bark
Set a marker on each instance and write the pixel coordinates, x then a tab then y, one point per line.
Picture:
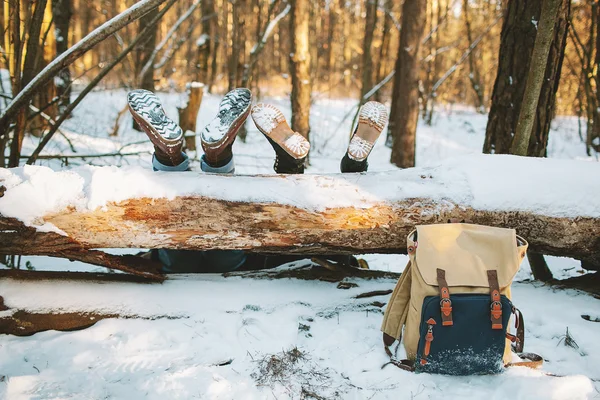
405	106
32	54
384	50
189	113
377	221
516	48
62	10
144	52
474	75
300	67
367	59
535	78
204	44
596	122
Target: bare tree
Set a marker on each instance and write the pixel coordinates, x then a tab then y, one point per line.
299	67
474	75
405	105
62	10
535	79
29	70
367	59
516	48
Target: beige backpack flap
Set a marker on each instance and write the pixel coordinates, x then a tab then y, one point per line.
466	252
397	309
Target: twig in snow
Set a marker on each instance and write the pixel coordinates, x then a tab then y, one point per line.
373	294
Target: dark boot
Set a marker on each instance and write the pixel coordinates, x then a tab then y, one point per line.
290	147
218	136
164	133
371	121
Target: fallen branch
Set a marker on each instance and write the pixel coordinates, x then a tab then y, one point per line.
32	242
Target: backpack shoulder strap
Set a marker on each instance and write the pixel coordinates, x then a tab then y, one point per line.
397	310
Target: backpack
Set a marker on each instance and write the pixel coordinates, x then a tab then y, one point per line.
452	302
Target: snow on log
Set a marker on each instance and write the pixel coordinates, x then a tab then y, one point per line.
554	204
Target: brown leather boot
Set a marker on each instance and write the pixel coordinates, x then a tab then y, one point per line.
218	136
164	133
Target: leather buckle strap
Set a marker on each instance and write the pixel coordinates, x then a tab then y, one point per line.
496	305
445	302
520	327
532	360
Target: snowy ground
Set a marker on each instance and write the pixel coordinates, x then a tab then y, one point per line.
338	336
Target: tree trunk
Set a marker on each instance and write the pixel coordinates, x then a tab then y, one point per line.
474	76
596	123
62	12
142	55
516	48
343	213
144	52
384	50
203	44
535	77
405	106
189	113
300	67
367	58
33	54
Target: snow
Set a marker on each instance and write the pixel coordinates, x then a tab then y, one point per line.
199	325
249	320
202	40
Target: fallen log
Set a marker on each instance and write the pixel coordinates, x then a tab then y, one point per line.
554	204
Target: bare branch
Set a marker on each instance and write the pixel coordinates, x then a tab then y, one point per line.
168	36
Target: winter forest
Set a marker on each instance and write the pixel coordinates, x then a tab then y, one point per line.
223	199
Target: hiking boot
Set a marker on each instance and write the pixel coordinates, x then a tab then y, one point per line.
164	133
371	121
218	136
290	147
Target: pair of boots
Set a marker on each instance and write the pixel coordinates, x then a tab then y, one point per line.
218	136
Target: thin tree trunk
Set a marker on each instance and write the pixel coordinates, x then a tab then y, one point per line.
367	58
405	105
62	10
474	76
32	55
596	124
204	43
535	79
299	67
143	53
384	50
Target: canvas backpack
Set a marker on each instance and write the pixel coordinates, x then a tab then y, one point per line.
452	304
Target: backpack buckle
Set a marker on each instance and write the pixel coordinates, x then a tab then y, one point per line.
446	308
496	311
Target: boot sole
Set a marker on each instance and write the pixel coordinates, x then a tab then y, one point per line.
371	120
270	122
221	131
165	134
